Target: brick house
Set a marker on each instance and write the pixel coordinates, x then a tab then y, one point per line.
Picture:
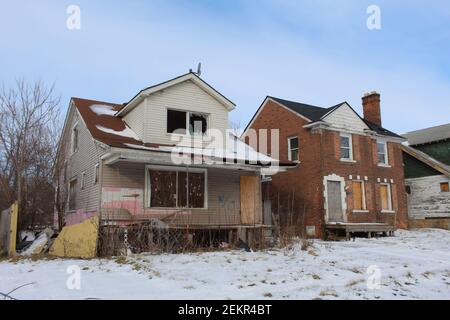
350	169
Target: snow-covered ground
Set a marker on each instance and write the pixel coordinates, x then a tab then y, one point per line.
411	265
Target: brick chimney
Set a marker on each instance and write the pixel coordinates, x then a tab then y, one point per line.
371	107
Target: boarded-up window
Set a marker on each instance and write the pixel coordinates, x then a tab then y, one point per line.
176	121
72	194
445	187
358	196
386	201
177	188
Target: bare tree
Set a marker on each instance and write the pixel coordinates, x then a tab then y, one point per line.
29	130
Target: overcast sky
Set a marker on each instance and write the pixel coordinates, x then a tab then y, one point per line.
316	52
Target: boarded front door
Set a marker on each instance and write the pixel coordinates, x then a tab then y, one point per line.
334	199
250	200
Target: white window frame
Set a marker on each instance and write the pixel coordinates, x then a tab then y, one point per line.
96	173
386	153
176	169
72	144
363	191
83	180
350	146
188	115
293	149
391	208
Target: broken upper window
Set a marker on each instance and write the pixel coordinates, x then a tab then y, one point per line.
72	195
198	123
177	188
445	187
176	121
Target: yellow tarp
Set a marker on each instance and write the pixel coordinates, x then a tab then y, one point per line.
77	241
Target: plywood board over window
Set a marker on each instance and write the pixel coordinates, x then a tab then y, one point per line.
358	196
250	200
386	200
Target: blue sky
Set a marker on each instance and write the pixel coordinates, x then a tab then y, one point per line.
316	52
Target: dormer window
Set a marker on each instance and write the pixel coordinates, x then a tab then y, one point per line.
179	121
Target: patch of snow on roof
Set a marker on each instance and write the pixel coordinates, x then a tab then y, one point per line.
127	132
101	109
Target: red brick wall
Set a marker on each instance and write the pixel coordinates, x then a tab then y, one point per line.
320	156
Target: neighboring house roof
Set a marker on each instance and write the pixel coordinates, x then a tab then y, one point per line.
316	114
428	135
311	112
428	160
105	126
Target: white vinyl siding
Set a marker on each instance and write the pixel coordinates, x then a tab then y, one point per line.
344	118
84	160
186	96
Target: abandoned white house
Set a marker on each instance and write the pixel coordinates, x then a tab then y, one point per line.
427	177
160	157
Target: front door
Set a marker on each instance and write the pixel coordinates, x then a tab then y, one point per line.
334	200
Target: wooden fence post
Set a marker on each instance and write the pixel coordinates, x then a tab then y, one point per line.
13	229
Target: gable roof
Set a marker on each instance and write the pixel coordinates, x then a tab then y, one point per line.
316	114
427	159
428	135
166	84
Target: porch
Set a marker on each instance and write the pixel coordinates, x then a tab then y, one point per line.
347	230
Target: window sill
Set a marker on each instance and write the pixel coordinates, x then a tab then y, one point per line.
384	165
348	160
173	209
387	211
360	211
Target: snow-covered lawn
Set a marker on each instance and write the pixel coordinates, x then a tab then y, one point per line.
413	265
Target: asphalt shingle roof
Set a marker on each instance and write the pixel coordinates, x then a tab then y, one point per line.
315	114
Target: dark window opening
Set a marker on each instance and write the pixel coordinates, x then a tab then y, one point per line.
177	189
445	187
198	123
176	122
72	194
163	190
408	190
